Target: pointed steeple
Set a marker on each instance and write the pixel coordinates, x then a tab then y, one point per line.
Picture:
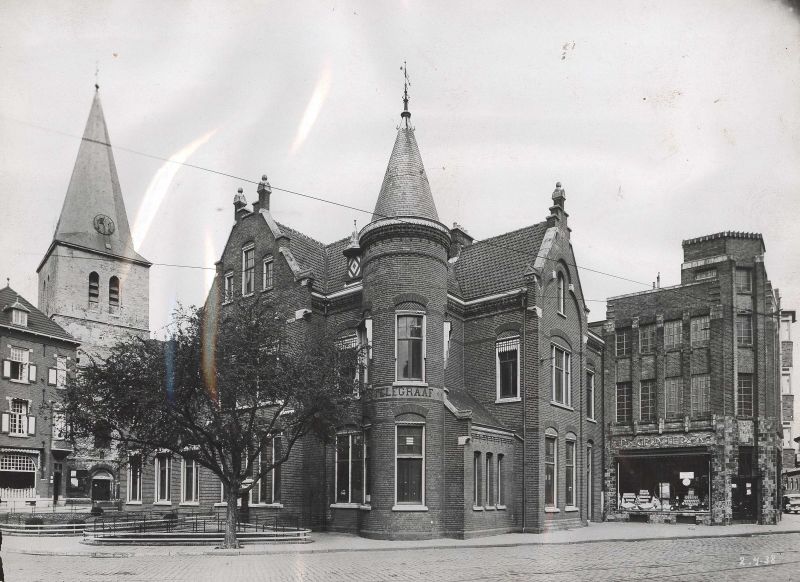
93	216
405	190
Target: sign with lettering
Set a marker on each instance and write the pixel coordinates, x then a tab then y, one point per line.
381	392
666	440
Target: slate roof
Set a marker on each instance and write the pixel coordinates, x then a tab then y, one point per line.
464	401
38	322
405	190
94	190
496	264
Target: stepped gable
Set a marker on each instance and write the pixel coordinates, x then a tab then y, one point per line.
405	190
464	401
38	322
497	264
94	196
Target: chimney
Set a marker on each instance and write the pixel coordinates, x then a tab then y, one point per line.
239	205
264	191
459	238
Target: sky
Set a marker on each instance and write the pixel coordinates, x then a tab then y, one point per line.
663	120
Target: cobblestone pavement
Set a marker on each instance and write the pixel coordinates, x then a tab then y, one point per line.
776	557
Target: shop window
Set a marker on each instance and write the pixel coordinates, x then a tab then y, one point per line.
410	463
623	342
699	329
190	481
248	269
476	480
744	280
550	458
135	479
163	478
569	473
266	275
647	400
507	362
701	395
94	290
673	334
624	402
744	330
744	395
561	360
349	468
590	395
113	295
663	482
673	397
647	339
410	347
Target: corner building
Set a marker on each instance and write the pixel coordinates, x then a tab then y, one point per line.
693	401
480	395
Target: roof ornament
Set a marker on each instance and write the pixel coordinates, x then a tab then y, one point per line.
406	82
353	248
97	75
559	195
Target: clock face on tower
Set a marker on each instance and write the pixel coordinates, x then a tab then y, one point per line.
103	224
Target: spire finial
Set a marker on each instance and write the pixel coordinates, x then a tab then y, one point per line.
406	82
97	75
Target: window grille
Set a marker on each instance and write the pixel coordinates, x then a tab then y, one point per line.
648	400
744	395
673	394
17	462
673	333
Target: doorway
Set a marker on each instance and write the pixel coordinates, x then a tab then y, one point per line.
589	482
101	487
744	498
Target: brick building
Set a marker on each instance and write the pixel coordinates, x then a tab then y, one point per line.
94	285
481	395
693	399
36	353
788	404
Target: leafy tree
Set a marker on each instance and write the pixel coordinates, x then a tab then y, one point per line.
225	382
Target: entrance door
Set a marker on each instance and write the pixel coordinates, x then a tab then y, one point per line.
101	490
56	486
744	498
589	482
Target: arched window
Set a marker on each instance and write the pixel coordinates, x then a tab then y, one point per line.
561	291
94	290
113	295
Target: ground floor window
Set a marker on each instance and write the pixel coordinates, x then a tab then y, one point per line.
163	472
489	478
550	449
350	468
190	482
135	478
268	489
569	476
410	465
78	484
17	475
476	481
501	498
664	482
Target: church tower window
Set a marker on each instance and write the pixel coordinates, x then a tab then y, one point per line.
94	290
113	295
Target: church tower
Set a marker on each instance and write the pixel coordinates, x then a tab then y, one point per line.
92	282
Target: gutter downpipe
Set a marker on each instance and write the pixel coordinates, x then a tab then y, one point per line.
524	409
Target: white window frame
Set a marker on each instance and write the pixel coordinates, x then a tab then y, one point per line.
227	287
514	344
625	344
19	409
19	317
138	499
397	316
195	500
350	501
22	357
500	501
676	327
407	506
566	375
590	395
271	476
267	267
476	480
571	442
653	386
248	248
487	479
157	479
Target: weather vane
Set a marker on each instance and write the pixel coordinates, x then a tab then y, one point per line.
406	82
97	75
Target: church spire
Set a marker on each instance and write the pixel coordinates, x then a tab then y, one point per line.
93	216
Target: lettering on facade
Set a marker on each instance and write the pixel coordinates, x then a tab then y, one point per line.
402	392
666	440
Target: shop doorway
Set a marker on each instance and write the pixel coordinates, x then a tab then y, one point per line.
744	498
57	469
101	487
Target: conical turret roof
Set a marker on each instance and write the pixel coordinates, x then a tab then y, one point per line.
93	216
405	190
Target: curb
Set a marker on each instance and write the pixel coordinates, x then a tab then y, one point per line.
254	552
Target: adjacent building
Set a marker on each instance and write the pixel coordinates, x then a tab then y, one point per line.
480	406
36	355
693	398
790	431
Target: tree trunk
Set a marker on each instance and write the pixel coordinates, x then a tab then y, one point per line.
231	542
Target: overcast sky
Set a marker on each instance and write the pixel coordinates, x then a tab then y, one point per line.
663	120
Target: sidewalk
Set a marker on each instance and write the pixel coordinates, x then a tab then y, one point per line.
333	542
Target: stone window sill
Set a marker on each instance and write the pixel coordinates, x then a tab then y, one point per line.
421	383
133	502
164	503
562	405
274	505
571	509
477	508
592	420
351	506
189	503
410	508
506	400
500	507
552	510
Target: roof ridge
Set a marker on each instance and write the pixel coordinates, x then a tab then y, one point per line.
301	234
477	242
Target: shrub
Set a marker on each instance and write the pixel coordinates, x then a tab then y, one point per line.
34	520
76	521
96	510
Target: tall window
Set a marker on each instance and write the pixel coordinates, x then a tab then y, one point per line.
561	391
135	479
227	294
269	485
489	478
410	464
410	339
59	425
476	479
350	468
647	339
447	331
623	342
648	400
673	333
58	375
113	295
700	329
501	498
163	477
16	367
94	290
190	482
744	330
624	402
744	395
18	418
701	395
673	397
266	282
550	471
561	294
590	395
744	281
248	269
569	475
508	368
